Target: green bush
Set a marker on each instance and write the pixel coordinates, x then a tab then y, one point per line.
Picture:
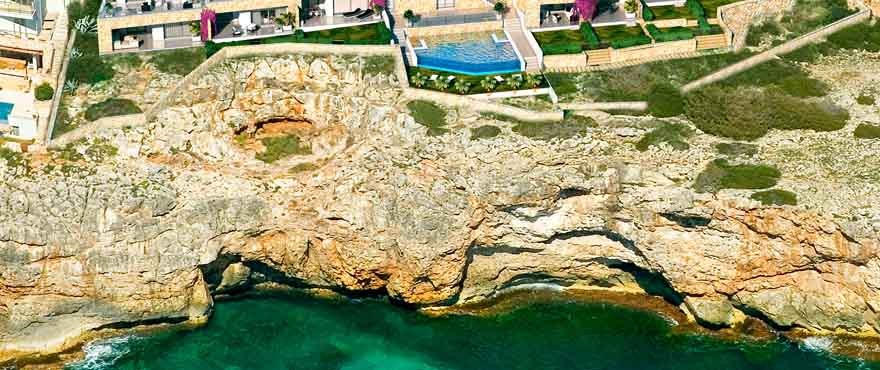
670	34
44	92
111	107
430	115
485	132
280	147
748	114
674	134
88	68
647	14
629	41
719	174
775	197
736	149
590	36
696	8
865	131
865	100
664	100
703	25
802	86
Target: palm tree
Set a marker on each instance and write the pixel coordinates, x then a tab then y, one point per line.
441	84
419	80
488	84
514	82
462	86
500	8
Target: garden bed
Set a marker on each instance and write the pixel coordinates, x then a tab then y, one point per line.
369	34
575	41
476	84
670	12
620	37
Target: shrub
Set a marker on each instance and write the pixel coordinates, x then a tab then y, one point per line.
629	41
430	115
865	100
664	100
674	134
572	125
111	107
865	131
704	25
485	132
647	13
592	39
562	48
44	92
281	146
303	167
670	34
179	61
88	68
696	8
719	174
802	86
736	149
747	114
775	197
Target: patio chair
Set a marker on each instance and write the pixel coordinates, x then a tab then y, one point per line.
352	13
433	77
450	78
366	14
499	79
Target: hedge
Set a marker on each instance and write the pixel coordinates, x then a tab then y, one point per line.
670	34
696	8
647	13
592	39
626	42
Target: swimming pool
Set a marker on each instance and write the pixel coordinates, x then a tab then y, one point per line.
471	54
5	110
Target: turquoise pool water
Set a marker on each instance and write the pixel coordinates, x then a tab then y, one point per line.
5	111
306	333
470	54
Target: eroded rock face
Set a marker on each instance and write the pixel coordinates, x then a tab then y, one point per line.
183	212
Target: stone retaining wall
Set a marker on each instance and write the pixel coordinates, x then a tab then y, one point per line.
657	51
459	101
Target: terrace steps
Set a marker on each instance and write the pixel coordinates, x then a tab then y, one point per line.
596	57
711	42
513	28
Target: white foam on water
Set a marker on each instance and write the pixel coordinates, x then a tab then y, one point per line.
102	354
817	344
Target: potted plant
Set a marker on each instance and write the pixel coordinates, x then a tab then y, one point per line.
410	16
285	21
630	7
195	28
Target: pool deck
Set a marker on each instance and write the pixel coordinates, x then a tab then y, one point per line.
24	110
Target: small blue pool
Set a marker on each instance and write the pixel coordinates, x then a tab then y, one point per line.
5	110
470	54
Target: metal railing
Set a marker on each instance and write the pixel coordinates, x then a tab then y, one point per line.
443	19
24	7
141	7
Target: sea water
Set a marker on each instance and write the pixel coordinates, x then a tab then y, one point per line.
307	333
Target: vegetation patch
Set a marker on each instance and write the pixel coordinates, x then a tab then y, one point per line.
805	16
379	64
572	125
303	167
668	12
674	134
465	84
622	36
44	92
736	149
179	61
278	147
370	34
111	107
14	160
776	197
865	100
665	101
866	131
485	132
748	114
720	174
430	115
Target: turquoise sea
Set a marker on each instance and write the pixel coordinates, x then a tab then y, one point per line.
306	333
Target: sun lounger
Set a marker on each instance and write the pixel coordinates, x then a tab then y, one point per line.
353	13
434	77
450	78
499	78
366	14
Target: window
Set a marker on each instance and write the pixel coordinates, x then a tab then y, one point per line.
445	4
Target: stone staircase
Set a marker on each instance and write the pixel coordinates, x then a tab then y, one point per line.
513	28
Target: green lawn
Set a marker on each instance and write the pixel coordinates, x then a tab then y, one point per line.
622	36
671	12
560	42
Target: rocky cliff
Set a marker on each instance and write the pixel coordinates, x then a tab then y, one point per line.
145	224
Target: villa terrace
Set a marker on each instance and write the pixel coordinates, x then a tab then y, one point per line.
451	17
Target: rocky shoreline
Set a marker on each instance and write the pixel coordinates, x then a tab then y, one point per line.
147	224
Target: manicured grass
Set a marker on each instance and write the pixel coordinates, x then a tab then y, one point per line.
622	36
369	34
866	131
748	114
485	132
473	84
674	134
430	115
671	12
775	197
560	42
736	149
720	174
279	147
572	125
111	107
179	61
